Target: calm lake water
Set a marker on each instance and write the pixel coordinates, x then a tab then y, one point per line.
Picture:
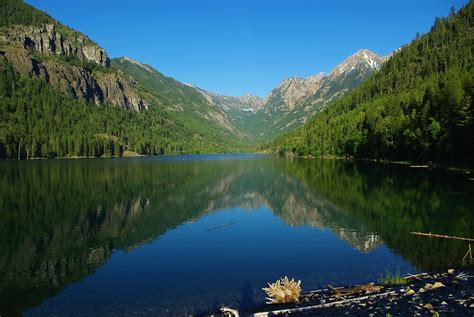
174	235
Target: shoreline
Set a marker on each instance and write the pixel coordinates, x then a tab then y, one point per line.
412	164
424	294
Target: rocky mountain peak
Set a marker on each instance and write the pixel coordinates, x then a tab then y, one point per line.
250	102
316	77
363	60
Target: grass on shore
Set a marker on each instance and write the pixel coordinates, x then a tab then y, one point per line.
392	278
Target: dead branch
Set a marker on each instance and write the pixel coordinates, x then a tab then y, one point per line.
434	235
224	225
314	307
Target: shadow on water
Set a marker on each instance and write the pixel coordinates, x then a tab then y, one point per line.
60	221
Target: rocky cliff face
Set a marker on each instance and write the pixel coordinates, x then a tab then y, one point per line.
105	87
48	40
60	56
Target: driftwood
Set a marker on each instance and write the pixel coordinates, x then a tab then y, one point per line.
441	236
468	253
415	276
224	225
314	307
369	288
229	312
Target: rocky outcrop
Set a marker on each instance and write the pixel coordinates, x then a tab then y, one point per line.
23	44
120	91
106	87
292	90
50	39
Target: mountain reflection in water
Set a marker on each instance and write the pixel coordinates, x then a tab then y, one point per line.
84	223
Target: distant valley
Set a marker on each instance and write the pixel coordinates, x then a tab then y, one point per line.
295	99
286	107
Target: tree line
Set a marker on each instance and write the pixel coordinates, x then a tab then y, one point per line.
39	121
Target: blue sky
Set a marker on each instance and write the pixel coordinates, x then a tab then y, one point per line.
237	47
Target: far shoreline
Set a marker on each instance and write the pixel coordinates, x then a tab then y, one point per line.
453	167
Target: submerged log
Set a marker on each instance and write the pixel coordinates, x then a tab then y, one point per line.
221	226
441	236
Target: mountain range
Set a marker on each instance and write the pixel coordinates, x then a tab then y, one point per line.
63	96
295	99
184	118
286	107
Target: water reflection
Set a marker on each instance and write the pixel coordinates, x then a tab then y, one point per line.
62	220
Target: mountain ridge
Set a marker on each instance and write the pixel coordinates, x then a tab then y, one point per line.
294	100
186	118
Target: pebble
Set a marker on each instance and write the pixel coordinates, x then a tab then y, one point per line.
410	292
428	306
421	290
451	271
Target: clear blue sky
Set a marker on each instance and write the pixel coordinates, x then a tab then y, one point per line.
236	47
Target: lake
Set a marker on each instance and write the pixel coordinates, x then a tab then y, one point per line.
168	236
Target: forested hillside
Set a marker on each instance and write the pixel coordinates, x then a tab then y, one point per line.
60	97
17	12
185	102
419	106
39	121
